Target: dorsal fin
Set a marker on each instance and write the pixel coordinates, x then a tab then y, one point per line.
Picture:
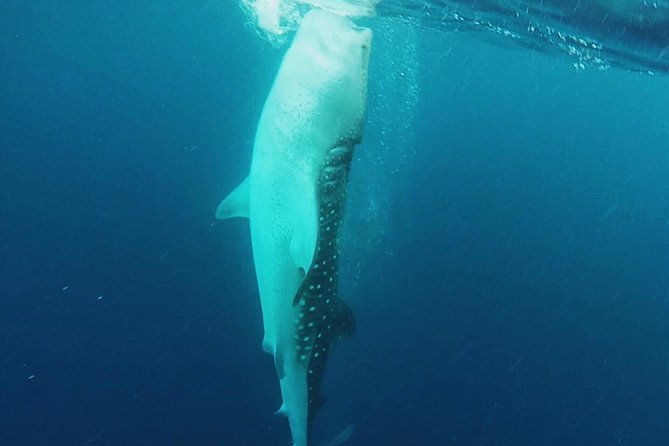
236	204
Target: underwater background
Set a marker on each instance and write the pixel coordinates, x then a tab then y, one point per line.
506	248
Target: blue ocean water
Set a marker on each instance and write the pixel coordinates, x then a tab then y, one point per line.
506	246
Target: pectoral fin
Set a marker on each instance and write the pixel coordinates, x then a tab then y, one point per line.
278	364
305	234
236	204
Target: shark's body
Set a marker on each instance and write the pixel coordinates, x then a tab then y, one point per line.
294	197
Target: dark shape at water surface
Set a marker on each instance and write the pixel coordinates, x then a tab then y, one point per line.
628	34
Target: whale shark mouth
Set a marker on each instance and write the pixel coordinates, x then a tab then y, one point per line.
323	317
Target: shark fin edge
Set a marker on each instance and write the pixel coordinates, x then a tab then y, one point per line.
282	411
343	436
236	204
302	249
278	364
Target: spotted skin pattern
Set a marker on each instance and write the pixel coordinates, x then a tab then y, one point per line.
322	316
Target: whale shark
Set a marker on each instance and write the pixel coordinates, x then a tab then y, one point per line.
294	197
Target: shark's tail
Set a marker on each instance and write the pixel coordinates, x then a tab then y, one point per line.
342	438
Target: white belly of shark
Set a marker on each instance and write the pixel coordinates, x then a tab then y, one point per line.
294	197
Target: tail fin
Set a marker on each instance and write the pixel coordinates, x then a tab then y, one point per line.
343	436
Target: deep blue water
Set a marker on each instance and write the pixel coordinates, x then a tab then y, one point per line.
507	240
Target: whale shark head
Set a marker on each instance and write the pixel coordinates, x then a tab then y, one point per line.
323	78
336	37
